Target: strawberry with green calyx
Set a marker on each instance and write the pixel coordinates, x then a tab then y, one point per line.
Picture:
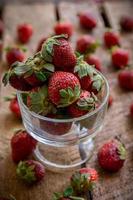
89	78
68	194
38	101
30	171
63	88
58	51
111	156
84	180
87	102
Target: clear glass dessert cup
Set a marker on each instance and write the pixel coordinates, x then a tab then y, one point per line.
65	143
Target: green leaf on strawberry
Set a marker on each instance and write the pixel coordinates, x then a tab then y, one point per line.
122	152
87	103
97	82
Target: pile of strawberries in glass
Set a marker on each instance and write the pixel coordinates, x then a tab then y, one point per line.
62	84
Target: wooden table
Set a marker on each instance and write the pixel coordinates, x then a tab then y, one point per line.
118	186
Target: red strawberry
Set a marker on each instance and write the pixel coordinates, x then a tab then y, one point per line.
58	51
85	104
63	88
14	106
93	60
111	156
41	41
131	110
111	39
87	20
126	23
1	28
64	28
110	101
84	180
120	58
14	54
30	171
22	145
24	32
89	79
86	44
125	79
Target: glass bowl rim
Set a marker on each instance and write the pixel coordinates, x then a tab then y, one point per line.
71	119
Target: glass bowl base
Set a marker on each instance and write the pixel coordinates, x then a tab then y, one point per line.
60	159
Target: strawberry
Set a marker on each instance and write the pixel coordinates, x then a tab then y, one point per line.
40	43
111	39
30	171
83	180
63	88
87	20
126	23
85	104
64	28
131	110
86	44
24	31
14	106
58	51
110	100
125	79
89	79
111	156
120	58
14	54
1	28
93	60
22	145
38	101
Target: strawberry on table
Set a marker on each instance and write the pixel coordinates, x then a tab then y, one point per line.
30	171
87	20
22	145
86	103
63	88
24	32
126	23
125	79
120	57
112	155
111	39
84	180
14	54
64	27
58	51
86	44
92	59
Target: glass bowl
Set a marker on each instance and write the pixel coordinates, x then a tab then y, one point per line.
65	143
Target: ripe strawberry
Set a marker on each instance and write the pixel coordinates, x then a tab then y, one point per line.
84	180
111	156
131	110
126	23
58	51
30	171
125	79
1	28
120	58
111	39
93	60
87	20
41	41
22	145
14	106
110	100
64	28
89	79
63	88
85	104
14	54
24	32
86	44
